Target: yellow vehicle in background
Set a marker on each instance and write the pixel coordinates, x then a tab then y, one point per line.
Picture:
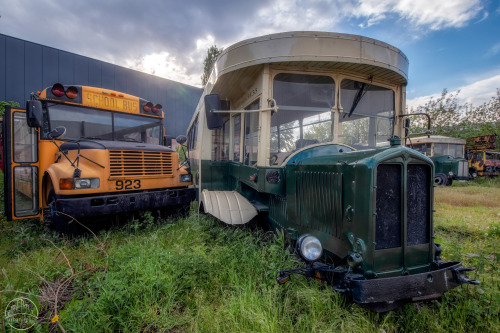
79	151
483	156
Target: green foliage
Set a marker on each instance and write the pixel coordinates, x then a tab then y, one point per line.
4	104
200	275
212	53
449	118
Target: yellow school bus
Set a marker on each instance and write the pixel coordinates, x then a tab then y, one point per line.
78	151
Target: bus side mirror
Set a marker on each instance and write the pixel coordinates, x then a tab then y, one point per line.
34	115
181	139
212	103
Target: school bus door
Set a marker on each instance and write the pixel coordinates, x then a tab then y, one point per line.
21	169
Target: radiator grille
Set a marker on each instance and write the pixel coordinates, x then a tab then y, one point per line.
388	207
418	206
139	163
463	169
319	200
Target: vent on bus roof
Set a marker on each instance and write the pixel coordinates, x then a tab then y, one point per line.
124	163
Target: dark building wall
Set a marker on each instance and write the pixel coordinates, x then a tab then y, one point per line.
27	67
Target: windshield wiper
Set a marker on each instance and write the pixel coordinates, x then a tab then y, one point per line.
130	140
359	95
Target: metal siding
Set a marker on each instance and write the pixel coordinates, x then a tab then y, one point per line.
14	70
27	67
108	76
81	70
3	65
95	67
33	72
50	69
120	79
66	64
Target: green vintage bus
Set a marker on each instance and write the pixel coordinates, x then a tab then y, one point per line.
447	154
301	131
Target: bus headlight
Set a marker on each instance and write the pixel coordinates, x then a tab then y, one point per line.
78	183
450	173
185	178
309	248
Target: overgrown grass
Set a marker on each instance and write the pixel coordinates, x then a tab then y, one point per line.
199	275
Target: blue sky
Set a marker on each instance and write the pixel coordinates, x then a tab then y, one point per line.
452	44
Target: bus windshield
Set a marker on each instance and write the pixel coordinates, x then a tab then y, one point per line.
367	119
85	123
454	150
305	116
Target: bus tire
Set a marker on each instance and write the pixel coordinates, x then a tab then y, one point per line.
57	221
440	179
450	181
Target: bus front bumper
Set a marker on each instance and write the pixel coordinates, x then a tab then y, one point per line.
123	202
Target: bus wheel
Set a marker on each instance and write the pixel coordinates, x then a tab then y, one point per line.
450	181
57	221
440	179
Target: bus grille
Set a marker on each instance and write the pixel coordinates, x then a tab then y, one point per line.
389	198
125	163
388	205
418	206
319	200
463	169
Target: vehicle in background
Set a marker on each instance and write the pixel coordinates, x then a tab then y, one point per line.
79	151
446	153
483	155
301	131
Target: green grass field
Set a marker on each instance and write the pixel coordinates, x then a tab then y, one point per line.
198	275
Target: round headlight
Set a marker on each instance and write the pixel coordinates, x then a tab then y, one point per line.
309	248
450	173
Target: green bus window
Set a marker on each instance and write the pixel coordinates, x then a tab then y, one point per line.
368	114
304	118
251	134
236	138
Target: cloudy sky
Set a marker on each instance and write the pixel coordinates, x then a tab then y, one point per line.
452	44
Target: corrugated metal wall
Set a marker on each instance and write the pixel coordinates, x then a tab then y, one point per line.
26	67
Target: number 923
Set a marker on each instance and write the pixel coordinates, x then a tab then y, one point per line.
128	184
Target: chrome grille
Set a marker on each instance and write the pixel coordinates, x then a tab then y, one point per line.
124	163
463	169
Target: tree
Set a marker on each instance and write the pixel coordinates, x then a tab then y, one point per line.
4	104
450	118
212	53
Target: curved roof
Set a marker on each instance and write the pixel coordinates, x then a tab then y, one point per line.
314	49
437	139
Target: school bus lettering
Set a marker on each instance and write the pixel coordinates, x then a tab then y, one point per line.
128	184
110	102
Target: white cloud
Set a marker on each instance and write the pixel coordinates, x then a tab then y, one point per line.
434	14
475	93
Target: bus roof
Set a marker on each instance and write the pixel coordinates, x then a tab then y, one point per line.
437	139
316	50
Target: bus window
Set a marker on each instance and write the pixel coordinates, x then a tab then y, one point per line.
193	135
236	137
136	129
251	134
368	117
25	196
220	141
226	139
25	147
304	118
